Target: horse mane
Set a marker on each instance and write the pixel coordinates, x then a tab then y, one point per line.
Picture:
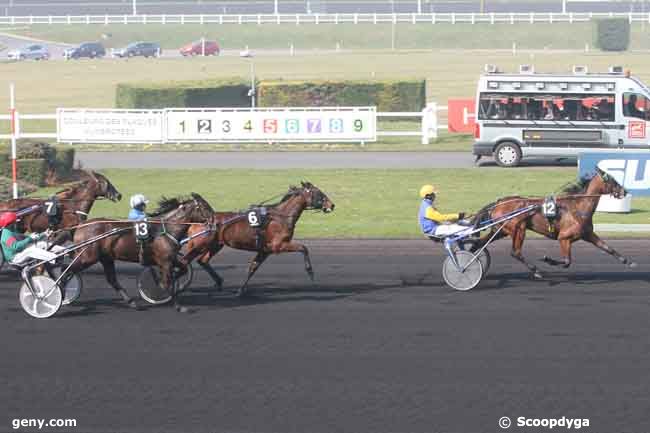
74	187
577	187
167	204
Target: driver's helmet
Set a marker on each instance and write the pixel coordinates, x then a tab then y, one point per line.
427	190
7	218
138	200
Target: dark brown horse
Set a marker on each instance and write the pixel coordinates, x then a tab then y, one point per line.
167	226
75	203
273	237
575	208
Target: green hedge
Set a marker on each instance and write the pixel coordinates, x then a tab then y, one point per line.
6	188
190	94
407	95
613	34
34	171
37	160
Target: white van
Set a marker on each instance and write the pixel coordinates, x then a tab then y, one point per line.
555	115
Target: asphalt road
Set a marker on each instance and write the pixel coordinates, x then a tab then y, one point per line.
282	160
377	344
100	7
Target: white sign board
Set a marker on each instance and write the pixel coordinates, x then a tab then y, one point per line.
340	124
110	126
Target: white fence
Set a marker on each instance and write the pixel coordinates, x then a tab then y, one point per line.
338	18
428	119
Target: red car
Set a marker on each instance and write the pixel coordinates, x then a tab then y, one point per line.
197	48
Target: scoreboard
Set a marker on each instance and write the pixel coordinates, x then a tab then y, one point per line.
230	125
335	124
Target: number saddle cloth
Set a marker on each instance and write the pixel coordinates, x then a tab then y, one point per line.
144	237
550	211
257	219
54	212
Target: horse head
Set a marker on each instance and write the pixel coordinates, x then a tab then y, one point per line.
100	186
315	198
605	183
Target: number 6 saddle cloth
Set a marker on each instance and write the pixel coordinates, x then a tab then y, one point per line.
257	219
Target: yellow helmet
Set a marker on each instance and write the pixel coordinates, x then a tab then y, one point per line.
426	190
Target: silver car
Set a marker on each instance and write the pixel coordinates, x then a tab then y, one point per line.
34	52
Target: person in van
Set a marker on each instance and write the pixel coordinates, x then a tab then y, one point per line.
631	109
604	110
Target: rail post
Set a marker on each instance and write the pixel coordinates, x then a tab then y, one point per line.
14	129
429	122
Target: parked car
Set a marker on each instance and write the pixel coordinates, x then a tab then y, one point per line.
197	48
144	49
87	49
35	52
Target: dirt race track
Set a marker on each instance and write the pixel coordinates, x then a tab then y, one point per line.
377	344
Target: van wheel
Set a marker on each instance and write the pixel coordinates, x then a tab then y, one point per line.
507	154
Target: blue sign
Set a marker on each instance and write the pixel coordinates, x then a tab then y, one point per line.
631	170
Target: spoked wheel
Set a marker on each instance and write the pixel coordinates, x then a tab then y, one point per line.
149	286
469	274
72	285
184	282
46	299
484	257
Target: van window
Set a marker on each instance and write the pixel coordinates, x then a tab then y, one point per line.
636	105
571	107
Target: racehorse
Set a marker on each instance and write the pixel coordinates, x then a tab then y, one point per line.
273	237
169	224
76	202
575	209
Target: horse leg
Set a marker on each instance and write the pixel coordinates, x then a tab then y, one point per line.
518	235
295	247
252	268
111	276
218	281
167	283
565	249
204	262
600	244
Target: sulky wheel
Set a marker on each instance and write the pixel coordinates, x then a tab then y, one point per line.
72	285
149	286
484	257
469	274
46	299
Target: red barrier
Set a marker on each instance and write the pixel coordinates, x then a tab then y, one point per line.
460	117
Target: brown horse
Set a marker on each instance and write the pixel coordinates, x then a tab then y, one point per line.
274	236
575	209
169	224
75	203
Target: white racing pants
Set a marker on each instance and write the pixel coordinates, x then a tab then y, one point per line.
38	251
444	230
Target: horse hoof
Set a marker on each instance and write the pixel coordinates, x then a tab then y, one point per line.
537	276
633	265
134	304
183	309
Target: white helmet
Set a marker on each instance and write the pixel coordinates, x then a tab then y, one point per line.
137	200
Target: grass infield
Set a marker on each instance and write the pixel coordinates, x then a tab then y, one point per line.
369	203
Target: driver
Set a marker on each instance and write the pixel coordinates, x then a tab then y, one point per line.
16	247
138	204
434	223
